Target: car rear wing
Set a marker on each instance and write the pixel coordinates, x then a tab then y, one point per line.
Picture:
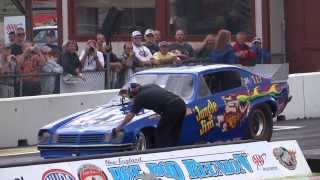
276	72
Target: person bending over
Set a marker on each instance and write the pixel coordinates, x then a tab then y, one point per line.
169	106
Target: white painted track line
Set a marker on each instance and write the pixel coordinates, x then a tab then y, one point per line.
18	151
279	128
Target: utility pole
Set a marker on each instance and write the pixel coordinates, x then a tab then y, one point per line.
28	8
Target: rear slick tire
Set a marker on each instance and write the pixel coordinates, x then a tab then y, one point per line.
260	124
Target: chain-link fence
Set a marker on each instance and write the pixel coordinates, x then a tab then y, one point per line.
90	81
17	85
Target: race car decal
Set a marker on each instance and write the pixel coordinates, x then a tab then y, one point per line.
232	113
272	91
237	107
205	116
287	158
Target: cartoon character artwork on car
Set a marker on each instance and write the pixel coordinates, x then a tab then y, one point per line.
224	103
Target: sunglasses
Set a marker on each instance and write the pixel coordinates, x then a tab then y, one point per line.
21	34
138	37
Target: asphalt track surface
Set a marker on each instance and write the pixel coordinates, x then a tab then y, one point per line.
306	132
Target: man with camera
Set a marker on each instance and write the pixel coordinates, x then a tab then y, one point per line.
28	65
112	64
91	59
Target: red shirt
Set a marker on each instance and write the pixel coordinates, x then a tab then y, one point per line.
248	55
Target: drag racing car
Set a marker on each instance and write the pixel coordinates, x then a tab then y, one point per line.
224	103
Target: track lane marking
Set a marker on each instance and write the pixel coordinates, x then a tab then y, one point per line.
18	151
280	128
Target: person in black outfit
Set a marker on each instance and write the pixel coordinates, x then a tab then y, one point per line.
181	48
69	59
150	41
170	106
16	47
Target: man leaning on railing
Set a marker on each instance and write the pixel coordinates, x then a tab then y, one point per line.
70	62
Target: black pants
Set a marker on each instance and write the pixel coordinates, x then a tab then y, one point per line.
169	127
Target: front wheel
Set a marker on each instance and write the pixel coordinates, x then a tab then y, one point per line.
143	142
260	123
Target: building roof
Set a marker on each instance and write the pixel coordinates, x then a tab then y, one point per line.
187	69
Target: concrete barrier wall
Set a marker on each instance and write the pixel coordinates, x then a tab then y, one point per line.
305	89
295	109
312	95
22	117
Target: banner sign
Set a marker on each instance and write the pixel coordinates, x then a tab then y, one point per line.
11	23
240	161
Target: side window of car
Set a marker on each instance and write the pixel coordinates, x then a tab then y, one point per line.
203	88
230	80
222	80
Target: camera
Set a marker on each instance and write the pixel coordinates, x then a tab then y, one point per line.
35	50
13	58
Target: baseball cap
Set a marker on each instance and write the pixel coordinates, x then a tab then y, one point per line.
136	33
148	31
133	89
256	40
163	43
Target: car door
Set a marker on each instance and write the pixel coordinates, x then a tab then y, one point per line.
219	112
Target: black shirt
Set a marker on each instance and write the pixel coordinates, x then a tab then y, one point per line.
152	47
184	48
70	62
16	49
152	97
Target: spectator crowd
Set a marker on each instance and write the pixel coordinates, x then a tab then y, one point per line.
37	66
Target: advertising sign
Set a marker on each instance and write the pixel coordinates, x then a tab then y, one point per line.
11	23
240	161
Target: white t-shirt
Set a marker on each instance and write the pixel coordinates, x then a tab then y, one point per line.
142	53
90	64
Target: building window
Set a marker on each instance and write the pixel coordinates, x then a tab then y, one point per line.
112	16
198	17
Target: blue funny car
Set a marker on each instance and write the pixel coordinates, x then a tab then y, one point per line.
224	103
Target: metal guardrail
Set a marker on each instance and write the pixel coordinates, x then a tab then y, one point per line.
16	85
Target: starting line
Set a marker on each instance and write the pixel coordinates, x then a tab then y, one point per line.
279	128
253	160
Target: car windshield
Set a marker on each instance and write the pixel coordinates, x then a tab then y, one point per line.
179	84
